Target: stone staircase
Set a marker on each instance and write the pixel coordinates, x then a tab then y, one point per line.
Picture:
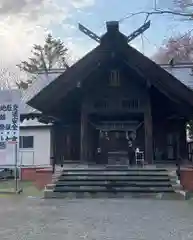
113	182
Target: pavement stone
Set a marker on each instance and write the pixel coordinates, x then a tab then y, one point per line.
95	219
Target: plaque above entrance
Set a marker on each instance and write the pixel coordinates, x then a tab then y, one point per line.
117	125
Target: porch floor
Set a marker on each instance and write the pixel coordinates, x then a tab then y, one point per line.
170	167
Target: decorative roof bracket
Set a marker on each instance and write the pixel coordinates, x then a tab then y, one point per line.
132	36
89	33
139	31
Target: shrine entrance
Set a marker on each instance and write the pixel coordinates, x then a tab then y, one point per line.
115	138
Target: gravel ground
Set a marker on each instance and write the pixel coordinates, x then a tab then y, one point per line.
116	219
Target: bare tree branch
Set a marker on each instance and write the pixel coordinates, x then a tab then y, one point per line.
158	12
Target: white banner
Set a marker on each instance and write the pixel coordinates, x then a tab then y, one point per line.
9	125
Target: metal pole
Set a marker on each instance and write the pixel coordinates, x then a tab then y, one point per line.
16	174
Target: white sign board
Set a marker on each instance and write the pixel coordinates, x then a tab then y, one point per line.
9	126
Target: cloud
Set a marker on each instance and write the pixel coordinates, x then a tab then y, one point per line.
23	25
78	48
12	6
82	3
34	10
25	22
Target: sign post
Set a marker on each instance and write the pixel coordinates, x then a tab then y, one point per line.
16	169
9	130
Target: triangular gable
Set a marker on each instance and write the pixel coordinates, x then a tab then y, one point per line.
152	72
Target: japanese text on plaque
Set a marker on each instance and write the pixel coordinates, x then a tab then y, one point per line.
9	123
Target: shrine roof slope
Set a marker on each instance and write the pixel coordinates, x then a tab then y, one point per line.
113	44
42	80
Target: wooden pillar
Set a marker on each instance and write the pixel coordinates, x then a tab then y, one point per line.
54	146
52	149
183	149
68	144
83	135
52	142
89	142
148	131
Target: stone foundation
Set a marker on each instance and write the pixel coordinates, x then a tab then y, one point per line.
43	177
186	178
28	174
40	176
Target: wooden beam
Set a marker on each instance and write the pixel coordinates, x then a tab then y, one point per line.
148	127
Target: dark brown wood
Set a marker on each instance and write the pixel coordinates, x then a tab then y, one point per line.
84	135
183	148
53	148
148	126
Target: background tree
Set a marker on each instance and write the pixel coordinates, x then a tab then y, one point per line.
7	78
179	49
185	6
53	54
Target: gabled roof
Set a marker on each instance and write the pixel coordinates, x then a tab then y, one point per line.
158	77
113	43
33	123
42	80
182	71
69	78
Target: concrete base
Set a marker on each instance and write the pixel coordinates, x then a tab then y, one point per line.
39	175
43	177
11	192
186	179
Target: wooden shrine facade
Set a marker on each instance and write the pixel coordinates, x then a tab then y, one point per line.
113	96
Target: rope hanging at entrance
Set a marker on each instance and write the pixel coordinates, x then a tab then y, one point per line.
104	130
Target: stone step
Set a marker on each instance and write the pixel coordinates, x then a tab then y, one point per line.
49	194
113	178
177	186
95	189
96	174
114	184
50	186
117	169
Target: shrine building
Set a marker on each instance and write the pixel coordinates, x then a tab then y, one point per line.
113	95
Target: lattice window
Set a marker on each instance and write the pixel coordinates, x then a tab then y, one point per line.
114	80
130	104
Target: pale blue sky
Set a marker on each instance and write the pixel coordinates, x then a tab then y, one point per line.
26	24
95	15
